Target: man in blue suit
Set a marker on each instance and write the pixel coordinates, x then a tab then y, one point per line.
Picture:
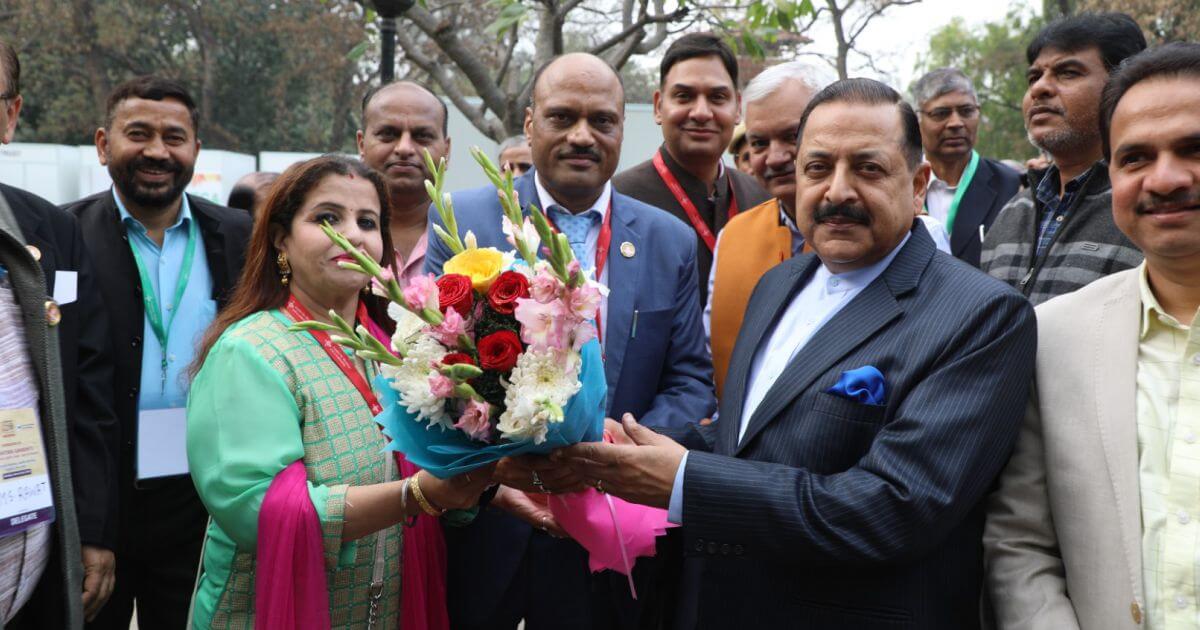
503	568
874	393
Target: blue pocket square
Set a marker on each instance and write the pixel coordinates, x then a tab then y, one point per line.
864	384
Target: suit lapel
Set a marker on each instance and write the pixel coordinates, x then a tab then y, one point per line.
974	207
858	321
214	251
1114	369
861	319
624	278
36	232
758	321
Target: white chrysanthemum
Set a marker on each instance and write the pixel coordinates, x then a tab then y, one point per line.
407	325
411	380
538	388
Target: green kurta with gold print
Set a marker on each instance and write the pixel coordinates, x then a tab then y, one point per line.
264	398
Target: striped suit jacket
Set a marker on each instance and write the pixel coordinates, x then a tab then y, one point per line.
830	513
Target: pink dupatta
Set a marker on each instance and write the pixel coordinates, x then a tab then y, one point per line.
290	585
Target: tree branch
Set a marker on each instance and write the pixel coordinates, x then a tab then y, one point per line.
461	55
491	127
638	26
508	56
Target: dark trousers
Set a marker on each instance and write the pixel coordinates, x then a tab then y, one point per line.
549	591
553	589
162	530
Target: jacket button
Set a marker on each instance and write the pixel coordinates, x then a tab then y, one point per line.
699	545
712	548
725	549
136	342
738	550
133	392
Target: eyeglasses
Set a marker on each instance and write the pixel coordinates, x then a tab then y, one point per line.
942	114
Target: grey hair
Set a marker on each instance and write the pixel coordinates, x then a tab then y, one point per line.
813	77
941	81
511	142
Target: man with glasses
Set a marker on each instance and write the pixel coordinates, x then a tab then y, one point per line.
966	191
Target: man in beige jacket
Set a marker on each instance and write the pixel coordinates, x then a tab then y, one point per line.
1096	523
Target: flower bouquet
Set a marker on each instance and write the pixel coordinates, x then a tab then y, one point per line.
497	357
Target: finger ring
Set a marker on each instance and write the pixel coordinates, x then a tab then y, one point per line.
544	528
599	486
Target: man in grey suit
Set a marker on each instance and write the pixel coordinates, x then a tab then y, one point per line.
842	485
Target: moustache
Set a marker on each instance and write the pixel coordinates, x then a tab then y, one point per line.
772	173
411	163
1181	200
145	163
580	152
856	214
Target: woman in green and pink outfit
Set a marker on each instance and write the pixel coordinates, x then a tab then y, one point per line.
307	507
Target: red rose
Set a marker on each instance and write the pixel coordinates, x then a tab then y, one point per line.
499	351
454	358
505	291
454	291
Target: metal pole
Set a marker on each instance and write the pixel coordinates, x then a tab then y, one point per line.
387	56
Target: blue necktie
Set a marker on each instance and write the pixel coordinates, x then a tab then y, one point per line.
575	227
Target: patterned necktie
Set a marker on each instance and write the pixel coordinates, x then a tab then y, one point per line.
575	227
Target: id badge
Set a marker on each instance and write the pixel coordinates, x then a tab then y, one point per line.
25	498
162	443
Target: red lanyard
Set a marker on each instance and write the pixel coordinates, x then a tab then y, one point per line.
690	208
298	313
602	244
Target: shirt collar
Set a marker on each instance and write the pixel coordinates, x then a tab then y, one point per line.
1150	306
785	219
600	206
185	213
859	278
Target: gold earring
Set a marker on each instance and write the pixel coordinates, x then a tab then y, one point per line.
285	269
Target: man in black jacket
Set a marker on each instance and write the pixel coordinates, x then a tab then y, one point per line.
158	252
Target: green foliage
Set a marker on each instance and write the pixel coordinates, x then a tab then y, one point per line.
993	56
280	76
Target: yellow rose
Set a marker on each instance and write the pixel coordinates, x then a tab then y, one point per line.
481	265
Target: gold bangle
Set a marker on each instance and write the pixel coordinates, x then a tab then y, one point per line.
426	506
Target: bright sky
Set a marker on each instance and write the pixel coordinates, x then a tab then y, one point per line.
901	34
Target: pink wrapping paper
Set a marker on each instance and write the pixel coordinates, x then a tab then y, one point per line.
615	532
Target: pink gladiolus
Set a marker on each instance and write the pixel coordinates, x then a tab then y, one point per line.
542	325
451	327
441	386
474	420
422	293
584	301
544	287
583	333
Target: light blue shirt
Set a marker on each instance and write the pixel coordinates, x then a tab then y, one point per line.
822	298
196	308
601	208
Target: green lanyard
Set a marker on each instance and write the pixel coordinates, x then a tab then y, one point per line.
959	191
150	299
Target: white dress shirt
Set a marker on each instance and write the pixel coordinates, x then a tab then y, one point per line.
821	298
938	198
601	208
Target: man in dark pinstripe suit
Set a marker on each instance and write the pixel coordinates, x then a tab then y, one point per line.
874	393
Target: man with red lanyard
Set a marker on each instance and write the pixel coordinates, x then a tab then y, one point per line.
509	565
698	106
